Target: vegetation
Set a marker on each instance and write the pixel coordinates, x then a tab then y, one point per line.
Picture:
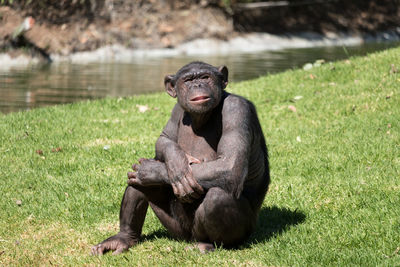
333	134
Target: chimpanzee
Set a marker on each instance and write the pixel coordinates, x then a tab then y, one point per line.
210	173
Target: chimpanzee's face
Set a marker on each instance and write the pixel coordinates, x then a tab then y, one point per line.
198	91
198	87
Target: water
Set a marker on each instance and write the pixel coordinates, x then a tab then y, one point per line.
37	86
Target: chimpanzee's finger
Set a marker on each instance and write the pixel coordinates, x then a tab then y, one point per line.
186	187
180	191
135	167
194	195
189	194
182	194
195	185
134	181
192	181
97	250
132	174
120	250
192	160
189	190
174	189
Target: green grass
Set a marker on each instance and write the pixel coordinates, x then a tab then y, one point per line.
334	199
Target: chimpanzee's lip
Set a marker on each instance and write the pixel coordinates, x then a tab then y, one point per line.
200	99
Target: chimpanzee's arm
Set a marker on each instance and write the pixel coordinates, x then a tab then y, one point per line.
177	162
169	136
230	169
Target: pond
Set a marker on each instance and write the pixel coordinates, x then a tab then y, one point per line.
58	83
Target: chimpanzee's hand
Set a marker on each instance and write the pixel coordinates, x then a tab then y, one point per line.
181	177
146	174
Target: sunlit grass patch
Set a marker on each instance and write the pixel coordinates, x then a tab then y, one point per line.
334	143
42	243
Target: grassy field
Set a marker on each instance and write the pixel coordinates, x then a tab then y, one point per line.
333	134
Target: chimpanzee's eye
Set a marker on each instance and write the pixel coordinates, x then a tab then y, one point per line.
205	76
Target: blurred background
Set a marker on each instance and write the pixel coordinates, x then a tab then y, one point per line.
54	52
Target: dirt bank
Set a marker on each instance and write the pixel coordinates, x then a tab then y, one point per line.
69	26
133	24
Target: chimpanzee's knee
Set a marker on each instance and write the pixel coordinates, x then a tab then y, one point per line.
223	219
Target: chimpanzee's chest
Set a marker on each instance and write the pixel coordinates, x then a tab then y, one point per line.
203	143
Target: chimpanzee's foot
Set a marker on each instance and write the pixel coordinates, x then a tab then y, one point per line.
202	247
118	243
205	247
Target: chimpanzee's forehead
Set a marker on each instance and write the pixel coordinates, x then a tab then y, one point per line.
196	67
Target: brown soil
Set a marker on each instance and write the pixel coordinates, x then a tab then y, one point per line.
69	26
152	24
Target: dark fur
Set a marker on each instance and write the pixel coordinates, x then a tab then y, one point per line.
210	174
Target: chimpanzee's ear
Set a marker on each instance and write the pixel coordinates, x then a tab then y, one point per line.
224	71
169	86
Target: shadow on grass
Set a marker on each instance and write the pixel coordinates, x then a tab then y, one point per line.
274	221
160	233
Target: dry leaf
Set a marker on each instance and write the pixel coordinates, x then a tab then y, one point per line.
58	149
393	69
292	108
142	108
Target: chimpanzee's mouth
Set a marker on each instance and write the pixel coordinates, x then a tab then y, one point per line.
200	99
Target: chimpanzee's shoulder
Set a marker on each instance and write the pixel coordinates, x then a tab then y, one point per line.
237	103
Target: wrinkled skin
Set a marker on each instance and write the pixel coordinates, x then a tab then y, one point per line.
210	173
117	243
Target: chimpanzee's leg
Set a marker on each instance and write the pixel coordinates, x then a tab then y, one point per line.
222	219
133	212
176	216
131	217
